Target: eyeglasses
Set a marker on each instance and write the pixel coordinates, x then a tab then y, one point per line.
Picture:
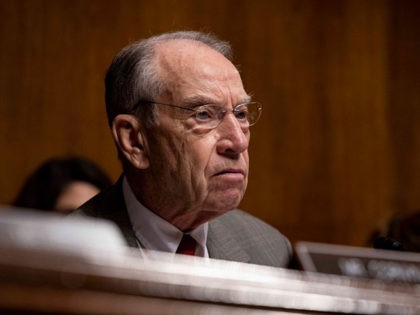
211	115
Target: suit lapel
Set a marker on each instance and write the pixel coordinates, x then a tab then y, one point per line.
121	217
110	205
222	244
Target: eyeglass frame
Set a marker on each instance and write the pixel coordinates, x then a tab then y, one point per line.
223	111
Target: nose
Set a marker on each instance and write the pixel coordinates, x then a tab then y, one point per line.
233	138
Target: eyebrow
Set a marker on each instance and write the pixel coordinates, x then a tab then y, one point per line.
199	100
247	99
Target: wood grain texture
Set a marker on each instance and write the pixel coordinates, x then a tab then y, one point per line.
337	149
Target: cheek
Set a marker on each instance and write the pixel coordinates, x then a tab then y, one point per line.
203	155
182	159
165	149
195	166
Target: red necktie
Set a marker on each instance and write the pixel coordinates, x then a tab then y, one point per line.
187	246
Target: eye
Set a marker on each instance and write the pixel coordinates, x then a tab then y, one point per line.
204	114
241	113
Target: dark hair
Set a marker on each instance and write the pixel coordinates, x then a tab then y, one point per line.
406	230
132	75
42	188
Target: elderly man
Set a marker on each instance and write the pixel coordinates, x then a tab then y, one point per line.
180	118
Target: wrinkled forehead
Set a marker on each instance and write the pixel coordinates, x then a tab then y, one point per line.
189	66
187	53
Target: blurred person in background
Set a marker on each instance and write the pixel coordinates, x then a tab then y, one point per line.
62	185
401	232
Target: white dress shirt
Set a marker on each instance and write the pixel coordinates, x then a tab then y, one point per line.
155	233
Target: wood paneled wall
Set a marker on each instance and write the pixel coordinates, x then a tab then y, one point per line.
337	149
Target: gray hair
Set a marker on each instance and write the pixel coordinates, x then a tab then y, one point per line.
132	75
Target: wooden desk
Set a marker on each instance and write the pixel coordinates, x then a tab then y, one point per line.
40	282
53	266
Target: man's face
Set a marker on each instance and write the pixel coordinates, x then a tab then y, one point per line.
196	174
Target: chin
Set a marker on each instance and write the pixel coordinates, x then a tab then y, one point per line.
227	201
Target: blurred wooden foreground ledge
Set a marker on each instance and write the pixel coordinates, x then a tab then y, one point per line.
72	266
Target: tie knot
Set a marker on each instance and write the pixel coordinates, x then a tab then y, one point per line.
187	245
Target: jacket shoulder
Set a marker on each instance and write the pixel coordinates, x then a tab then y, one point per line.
262	242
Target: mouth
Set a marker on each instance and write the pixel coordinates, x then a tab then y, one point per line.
230	171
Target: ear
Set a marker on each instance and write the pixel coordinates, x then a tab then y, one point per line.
130	139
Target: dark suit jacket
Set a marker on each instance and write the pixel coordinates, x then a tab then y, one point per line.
235	235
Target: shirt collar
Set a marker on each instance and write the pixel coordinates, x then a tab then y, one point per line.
155	233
